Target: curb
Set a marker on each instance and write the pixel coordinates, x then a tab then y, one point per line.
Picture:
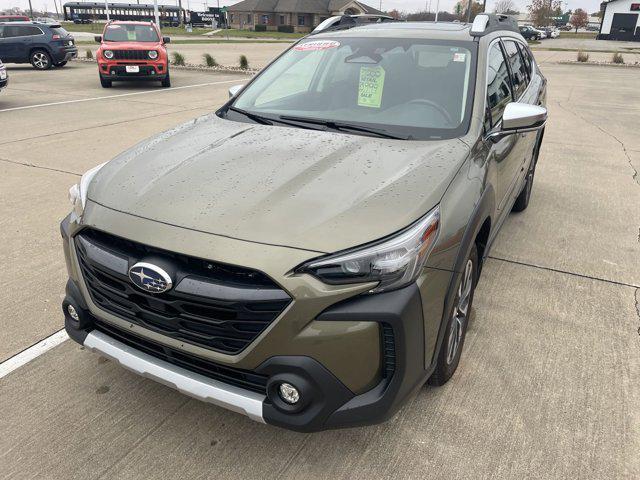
190	66
599	64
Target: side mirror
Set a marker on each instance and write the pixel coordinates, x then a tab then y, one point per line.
233	91
98	38
166	40
520	118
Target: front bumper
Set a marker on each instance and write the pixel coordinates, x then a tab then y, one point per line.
118	71
295	350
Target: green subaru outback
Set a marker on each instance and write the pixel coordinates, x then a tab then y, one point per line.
307	255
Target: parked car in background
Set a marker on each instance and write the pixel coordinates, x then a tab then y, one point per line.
551	32
41	45
13	18
46	20
82	21
530	33
4	77
308	254
132	51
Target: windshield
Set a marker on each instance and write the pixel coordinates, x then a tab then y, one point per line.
409	88
130	33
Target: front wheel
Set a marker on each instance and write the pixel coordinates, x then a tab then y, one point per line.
105	83
166	81
40	60
457	322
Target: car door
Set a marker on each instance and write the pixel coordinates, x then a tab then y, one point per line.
503	152
523	92
8	43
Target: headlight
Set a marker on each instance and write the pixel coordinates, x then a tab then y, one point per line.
393	263
108	54
78	192
153	54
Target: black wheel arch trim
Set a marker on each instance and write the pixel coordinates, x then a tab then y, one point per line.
485	208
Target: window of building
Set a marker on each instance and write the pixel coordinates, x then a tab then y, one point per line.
249	18
301	20
498	87
265	19
282	20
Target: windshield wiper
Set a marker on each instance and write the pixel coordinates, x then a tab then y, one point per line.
252	116
341	126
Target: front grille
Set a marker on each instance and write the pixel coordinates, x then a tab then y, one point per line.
388	350
212	305
233	376
131	54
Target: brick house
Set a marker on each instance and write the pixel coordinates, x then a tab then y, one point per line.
301	15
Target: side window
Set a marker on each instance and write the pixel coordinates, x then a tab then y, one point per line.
30	31
498	86
518	68
528	60
11	31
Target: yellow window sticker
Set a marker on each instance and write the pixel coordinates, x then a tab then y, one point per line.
131	35
371	86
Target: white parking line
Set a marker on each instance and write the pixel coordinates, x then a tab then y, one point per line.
32	352
107	97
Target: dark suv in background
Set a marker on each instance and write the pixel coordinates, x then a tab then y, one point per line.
42	45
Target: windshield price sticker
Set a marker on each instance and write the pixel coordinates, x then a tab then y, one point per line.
131	35
459	57
317	45
371	86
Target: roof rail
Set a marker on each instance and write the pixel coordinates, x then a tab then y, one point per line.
345	22
486	23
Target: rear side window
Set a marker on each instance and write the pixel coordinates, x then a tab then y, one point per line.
519	76
528	60
59	31
498	86
20	31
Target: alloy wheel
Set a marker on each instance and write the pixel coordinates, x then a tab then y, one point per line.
40	60
460	313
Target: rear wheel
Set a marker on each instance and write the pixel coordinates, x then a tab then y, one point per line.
40	60
105	83
457	323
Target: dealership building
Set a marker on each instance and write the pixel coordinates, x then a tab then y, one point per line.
620	20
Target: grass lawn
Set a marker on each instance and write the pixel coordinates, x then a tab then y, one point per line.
578	35
250	34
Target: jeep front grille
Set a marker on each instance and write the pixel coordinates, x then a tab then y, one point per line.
212	305
131	54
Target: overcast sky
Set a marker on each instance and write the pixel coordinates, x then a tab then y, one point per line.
402	5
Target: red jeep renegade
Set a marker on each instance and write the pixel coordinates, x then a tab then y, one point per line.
132	51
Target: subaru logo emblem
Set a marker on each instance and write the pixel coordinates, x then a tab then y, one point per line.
150	278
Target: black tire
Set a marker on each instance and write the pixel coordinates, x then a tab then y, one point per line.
166	81
456	324
40	60
105	83
60	64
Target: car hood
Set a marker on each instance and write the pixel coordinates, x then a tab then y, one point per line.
307	189
130	45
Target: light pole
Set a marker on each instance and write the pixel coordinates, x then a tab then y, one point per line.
156	13
437	9
106	8
31	9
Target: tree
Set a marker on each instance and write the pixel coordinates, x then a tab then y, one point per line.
541	11
505	6
579	19
395	14
462	7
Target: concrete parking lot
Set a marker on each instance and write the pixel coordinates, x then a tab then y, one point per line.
548	384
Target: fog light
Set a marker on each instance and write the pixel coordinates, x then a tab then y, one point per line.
72	312
289	393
